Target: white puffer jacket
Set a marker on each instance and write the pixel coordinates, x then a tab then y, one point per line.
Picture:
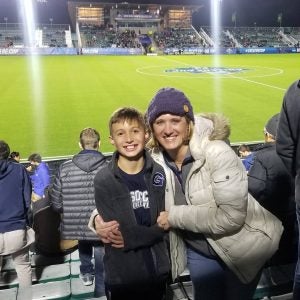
241	232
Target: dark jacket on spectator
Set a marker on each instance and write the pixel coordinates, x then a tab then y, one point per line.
272	186
72	194
15	196
288	141
128	266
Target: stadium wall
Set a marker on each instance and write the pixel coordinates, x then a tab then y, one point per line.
254	50
137	51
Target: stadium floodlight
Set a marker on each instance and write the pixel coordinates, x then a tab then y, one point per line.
28	17
26	8
5	19
216	29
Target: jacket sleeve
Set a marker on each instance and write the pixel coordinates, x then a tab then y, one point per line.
27	189
223	197
55	193
135	236
287	135
139	236
257	179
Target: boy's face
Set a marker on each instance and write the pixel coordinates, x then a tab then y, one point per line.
129	138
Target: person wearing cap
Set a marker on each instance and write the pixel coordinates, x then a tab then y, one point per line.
272	186
288	148
216	229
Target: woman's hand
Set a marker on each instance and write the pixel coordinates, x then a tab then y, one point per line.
162	220
109	232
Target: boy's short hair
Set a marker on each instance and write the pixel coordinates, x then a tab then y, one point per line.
35	157
4	150
127	114
14	154
89	138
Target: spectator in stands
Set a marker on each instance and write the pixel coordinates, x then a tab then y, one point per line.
131	190
246	155
288	148
15	236
40	176
272	186
208	208
15	156
72	194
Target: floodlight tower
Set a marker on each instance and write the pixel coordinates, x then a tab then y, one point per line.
5	19
216	30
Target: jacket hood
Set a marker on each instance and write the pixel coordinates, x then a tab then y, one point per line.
213	126
3	168
208	127
88	162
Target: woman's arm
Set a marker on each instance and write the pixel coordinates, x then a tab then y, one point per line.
221	205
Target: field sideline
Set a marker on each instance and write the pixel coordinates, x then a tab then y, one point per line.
46	101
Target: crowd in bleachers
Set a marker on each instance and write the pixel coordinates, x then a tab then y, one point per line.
54	38
258	37
177	38
108	36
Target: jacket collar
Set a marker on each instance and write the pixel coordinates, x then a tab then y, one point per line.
148	166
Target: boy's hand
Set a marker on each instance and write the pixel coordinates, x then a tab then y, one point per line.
104	228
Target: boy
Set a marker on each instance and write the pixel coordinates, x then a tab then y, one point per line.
130	190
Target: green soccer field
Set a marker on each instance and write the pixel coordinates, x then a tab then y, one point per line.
46	101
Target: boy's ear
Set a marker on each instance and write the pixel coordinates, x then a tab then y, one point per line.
111	140
80	146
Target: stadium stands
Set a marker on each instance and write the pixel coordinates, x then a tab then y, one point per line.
54	35
100	36
11	35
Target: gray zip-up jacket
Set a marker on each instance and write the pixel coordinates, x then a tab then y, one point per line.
241	232
72	194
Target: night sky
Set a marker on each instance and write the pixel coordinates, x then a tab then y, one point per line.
248	12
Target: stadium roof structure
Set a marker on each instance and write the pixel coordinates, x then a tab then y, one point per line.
162	8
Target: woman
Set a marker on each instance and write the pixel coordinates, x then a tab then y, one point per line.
216	230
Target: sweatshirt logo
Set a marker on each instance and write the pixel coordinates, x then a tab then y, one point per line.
158	179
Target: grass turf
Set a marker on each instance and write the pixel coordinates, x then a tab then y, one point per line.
46	101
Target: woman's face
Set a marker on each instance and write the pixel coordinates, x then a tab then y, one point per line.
171	132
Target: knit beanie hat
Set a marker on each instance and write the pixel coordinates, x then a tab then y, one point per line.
272	125
169	101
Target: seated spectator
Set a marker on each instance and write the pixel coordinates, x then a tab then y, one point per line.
40	176
246	155
15	156
272	186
